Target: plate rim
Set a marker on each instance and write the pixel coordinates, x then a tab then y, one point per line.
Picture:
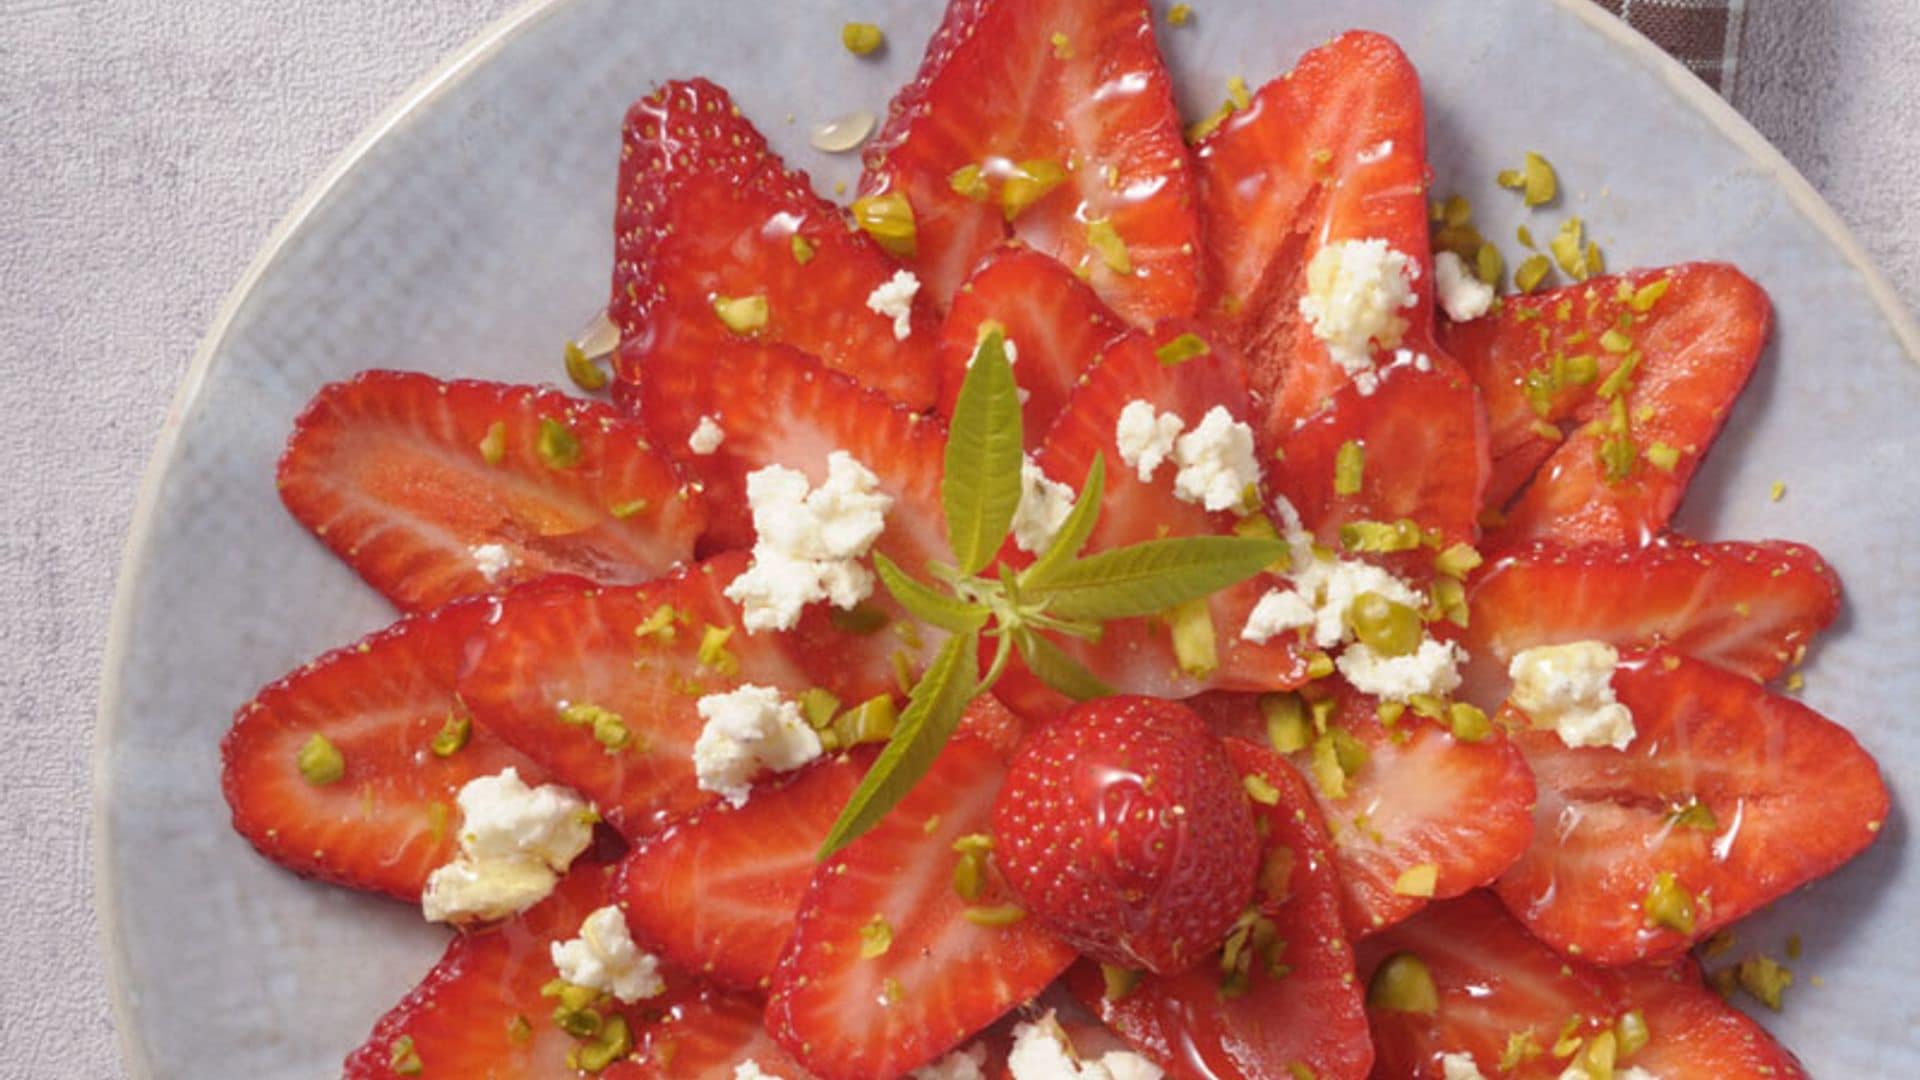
448	73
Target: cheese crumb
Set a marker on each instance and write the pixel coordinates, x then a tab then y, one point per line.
1279	611
491	560
893	299
749	729
1217	463
967	1063
750	1070
1042	1051
1044	506
707	437
1145	438
604	958
1433	668
515	842
1356	290
1460	1067
809	542
1569	689
1462	295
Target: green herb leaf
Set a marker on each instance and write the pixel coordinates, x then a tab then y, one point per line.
980	483
939	700
928	605
1149	577
1075	530
1053	666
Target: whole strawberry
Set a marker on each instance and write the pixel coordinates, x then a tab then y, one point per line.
1124	829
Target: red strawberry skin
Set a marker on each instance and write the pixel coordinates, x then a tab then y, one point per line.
579	646
707	210
944	977
1055	321
1079	84
1124	829
1751	608
1496	983
1312	1015
1421	797
390	819
1792	795
388	470
1697	344
717	891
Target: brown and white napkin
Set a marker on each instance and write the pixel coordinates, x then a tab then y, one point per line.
1702	34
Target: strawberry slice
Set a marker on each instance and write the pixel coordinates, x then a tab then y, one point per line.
635	653
710	1037
1056	323
432	490
388	818
708	212
716	892
1548	367
1750	608
479	1012
1421	798
1505	1000
1727	798
940	977
1295	1007
1137	655
1014	93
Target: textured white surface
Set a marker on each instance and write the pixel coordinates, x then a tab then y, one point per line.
147	148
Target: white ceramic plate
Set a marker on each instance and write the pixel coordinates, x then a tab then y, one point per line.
468	233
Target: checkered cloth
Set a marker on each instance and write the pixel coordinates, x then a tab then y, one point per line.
1702	34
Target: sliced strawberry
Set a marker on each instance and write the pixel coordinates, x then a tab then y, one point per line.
432	490
1694	344
1421	798
1306	1012
707	211
479	1012
1056	323
1740	795
716	892
389	819
1506	1000
612	648
1334	150
707	1037
1137	655
1070	85
941	977
1750	608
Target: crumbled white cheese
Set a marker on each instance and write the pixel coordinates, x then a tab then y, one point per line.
707	437
1463	295
750	1070
1460	1067
809	542
1356	290
1042	1051
604	958
1044	506
1634	1072
515	842
967	1063
749	729
1279	611
1569	689
1433	668
893	299
1217	463
1332	585
1144	437
491	560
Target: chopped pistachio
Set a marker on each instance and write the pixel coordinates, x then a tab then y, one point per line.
889	220
969	875
742	314
612	1042
1182	349
1566	248
1525	236
1649	294
1668	905
1286	717
1796	682
714	654
1390	712
969	181
1694	815
1597	1057
1237	93
1468	722
1569	1039
1663	457
1510	178
1778	491
660	625
802	249
819	706
1324	767
870	721
1488	264
1028	183
1106	242
1539	184
1630	1031
556	444
1402	983
320	762
1595	262
493	445
861	39
1417	880
453	734
1457	560
1616	342
1765	979
1450	601
1319	666
1388	627
1260	789
1119	981
1000	915
1532	271
1349	468
1206	125
1431	706
1179	14
1194	646
1062	45
1380	536
1620	377
1617	456
585	374
624	510
403	1059
876	937
1456	210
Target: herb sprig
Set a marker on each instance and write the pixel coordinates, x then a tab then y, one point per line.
1060	592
